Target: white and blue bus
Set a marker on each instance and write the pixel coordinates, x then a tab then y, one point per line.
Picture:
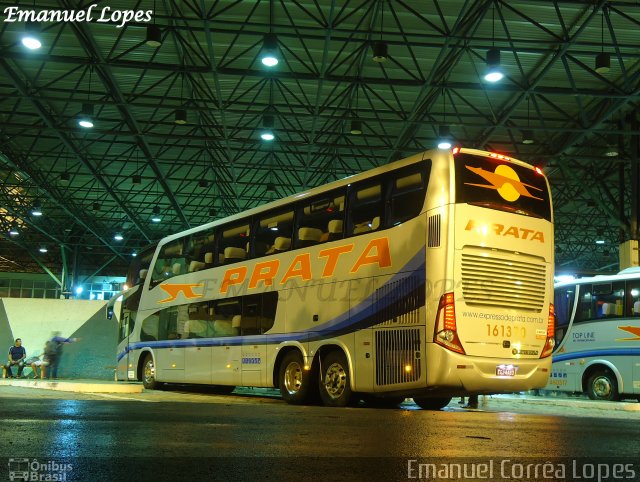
430	277
598	336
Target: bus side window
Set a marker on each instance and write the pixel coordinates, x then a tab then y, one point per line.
171	261
585	304
272	234
408	190
233	244
269	306
563	301
320	219
200	245
633	298
609	300
366	208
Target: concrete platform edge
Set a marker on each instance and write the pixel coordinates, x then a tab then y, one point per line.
78	386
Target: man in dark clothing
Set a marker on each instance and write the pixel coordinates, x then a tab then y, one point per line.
17	354
53	352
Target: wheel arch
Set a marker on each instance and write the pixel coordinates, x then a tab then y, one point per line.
595	365
141	358
329	346
282	351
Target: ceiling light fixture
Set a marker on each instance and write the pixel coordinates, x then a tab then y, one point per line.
269	56
156	215
65	177
154	34
493	72
603	59
180	117
136	179
444	137
85	119
31	36
213	212
43	249
37	208
356	127
96	206
380	47
118	237
268	121
13	231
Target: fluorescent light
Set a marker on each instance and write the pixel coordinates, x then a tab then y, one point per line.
118	237
267	136
444	145
600	241
31	42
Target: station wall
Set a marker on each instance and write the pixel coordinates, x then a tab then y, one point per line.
34	321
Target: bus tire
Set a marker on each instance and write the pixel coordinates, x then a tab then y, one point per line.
334	382
149	373
381	402
296	383
432	403
602	385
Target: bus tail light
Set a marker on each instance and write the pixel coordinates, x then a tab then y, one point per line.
446	333
551	341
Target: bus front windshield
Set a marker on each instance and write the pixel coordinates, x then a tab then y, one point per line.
494	183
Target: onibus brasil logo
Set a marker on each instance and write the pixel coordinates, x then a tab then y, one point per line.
34	469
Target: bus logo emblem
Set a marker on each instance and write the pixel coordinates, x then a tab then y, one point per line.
174	290
634	330
505	181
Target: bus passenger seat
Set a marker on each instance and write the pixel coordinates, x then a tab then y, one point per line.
208	260
142	274
308	236
608	309
335	229
636	308
231	254
222	328
196	266
176	269
236	321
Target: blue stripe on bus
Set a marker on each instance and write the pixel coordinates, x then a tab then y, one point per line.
596	353
362	315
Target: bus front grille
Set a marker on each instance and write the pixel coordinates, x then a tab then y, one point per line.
508	283
397	356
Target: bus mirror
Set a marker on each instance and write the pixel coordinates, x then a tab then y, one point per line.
109	312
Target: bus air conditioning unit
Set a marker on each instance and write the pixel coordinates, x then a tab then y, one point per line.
629	254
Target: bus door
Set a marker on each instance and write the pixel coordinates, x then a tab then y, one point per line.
124	306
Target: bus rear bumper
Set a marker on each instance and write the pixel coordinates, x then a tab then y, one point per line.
485	375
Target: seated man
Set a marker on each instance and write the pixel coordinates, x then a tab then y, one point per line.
17	354
35	362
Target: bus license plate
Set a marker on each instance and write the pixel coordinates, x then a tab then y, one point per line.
506	371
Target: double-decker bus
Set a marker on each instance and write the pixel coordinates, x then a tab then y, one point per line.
430	277
598	336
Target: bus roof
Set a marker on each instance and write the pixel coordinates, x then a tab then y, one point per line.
627	274
430	154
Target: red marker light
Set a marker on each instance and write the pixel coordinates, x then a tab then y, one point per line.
538	170
455	150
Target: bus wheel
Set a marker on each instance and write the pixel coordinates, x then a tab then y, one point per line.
296	383
428	403
335	381
380	402
149	373
602	385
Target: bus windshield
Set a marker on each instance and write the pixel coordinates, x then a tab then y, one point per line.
489	182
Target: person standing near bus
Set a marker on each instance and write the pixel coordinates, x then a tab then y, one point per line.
53	352
17	354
